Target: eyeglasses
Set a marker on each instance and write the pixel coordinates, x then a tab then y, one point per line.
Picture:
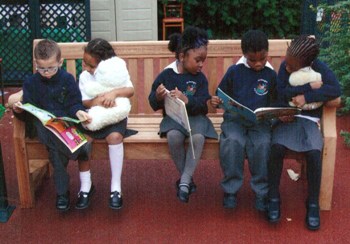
47	70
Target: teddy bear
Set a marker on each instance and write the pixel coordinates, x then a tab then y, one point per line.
110	74
301	77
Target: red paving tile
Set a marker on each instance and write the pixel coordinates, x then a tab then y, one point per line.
152	213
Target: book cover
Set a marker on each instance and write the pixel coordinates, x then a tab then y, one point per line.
264	113
175	108
62	127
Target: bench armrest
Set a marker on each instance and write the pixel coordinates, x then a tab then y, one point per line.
333	103
18	129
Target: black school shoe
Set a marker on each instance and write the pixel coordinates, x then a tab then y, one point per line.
192	186
274	210
183	195
312	219
63	202
115	200
84	198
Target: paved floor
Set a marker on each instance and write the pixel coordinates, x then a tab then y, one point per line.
153	214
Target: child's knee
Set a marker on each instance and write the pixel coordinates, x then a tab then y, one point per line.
198	139
114	138
84	152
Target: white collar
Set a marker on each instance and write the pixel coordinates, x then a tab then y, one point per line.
243	60
173	66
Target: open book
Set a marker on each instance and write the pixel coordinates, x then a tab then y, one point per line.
176	109
264	113
62	127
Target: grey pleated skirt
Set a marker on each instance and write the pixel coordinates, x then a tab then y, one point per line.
300	135
199	124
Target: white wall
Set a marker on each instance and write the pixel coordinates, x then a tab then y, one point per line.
124	20
103	19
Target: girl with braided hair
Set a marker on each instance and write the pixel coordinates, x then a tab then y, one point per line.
184	79
306	74
300	133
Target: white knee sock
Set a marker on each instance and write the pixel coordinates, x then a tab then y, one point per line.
85	181
116	156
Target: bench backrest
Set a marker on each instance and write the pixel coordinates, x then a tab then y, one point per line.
146	59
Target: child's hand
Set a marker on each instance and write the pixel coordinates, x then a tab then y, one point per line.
178	94
316	84
16	107
161	92
299	100
83	116
107	99
215	101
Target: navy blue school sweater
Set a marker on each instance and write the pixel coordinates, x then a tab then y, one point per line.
253	89
195	87
60	95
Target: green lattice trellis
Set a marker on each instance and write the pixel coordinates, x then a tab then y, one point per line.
2	111
22	21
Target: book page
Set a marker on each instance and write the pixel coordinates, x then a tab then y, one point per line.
77	121
69	135
275	112
232	106
41	114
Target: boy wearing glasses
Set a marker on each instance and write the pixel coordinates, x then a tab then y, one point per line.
55	90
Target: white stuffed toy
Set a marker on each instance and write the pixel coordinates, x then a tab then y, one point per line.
110	74
301	77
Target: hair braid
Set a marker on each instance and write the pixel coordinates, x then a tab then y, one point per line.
305	48
191	38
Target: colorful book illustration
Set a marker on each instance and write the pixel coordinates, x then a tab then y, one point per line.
62	127
264	113
175	108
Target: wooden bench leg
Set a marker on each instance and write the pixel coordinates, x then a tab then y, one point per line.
328	159
30	176
26	191
38	170
328	156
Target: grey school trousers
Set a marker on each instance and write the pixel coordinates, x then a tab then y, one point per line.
236	141
59	156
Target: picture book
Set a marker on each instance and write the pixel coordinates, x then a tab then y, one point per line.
62	127
264	113
175	108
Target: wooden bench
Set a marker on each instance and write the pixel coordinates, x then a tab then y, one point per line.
145	61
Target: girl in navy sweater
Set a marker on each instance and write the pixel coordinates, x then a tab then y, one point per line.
300	133
184	79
